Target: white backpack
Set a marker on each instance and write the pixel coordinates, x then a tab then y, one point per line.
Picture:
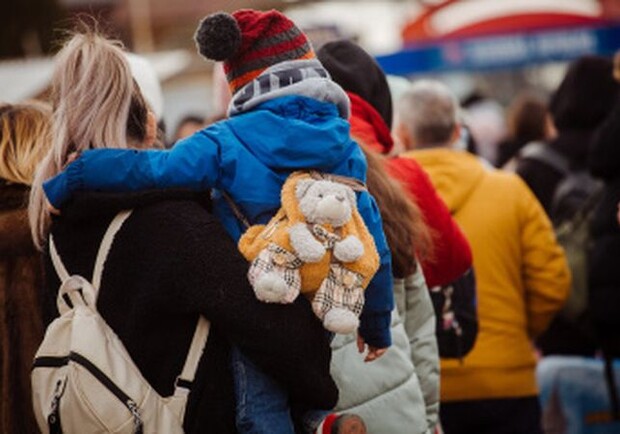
83	379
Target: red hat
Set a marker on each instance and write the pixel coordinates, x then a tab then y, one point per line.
250	41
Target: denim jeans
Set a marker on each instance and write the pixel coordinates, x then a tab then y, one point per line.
263	404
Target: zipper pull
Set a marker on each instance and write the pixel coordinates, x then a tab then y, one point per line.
53	419
137	421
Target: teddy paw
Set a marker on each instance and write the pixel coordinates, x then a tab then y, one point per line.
271	288
307	248
341	321
348	250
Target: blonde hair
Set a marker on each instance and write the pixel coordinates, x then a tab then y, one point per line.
96	104
24	139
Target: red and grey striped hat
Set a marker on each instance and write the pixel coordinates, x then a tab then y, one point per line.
250	41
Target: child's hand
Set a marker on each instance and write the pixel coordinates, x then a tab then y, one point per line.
373	352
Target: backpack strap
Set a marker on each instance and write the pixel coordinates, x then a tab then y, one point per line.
545	154
62	272
353	183
102	254
183	383
106	244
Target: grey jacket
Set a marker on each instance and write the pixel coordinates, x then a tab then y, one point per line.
399	393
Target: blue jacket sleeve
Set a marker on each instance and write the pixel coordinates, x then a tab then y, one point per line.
192	163
377	313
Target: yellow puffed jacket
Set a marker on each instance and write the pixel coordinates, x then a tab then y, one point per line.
522	275
257	237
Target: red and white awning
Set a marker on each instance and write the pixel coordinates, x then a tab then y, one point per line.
466	18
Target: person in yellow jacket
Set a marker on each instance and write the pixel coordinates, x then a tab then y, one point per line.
521	271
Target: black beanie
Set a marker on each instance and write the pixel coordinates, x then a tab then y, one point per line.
357	71
586	94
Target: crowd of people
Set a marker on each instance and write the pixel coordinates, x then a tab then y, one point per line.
445	220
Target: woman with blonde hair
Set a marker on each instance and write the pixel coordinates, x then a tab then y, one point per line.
24	140
175	257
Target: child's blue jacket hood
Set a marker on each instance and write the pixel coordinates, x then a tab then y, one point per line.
249	156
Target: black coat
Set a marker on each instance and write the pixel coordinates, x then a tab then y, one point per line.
542	178
170	262
604	270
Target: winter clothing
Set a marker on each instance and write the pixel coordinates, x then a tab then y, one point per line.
184	264
21	329
542	178
452	255
250	41
604	275
249	156
359	73
401	389
522	274
581	102
371	119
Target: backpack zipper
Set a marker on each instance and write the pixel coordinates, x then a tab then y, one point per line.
53	419
54	362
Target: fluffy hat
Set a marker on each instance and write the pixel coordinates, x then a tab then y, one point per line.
358	72
250	41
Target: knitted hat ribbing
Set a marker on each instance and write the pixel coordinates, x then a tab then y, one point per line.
250	41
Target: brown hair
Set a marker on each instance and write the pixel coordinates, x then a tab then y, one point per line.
24	139
405	229
527	118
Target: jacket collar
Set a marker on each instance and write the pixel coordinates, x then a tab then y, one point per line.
294	77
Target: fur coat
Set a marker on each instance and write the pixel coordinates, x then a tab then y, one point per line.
21	329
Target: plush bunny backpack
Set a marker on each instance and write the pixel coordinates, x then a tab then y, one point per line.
316	244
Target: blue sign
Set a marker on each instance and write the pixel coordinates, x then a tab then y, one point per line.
503	51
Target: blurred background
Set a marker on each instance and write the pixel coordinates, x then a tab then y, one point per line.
486	50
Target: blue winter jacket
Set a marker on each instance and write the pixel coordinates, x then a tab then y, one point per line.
249	156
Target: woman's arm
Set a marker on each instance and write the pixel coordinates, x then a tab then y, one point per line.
193	163
287	341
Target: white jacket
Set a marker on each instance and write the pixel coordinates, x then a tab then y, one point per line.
399	392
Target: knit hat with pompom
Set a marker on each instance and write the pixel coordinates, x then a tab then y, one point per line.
250	41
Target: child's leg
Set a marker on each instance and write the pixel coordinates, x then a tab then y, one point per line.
262	404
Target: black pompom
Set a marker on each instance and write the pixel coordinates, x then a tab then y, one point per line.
218	36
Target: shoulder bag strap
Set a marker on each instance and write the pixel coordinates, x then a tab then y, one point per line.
62	272
354	183
235	209
106	244
183	383
544	153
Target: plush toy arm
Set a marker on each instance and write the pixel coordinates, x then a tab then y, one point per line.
348	250
305	245
250	244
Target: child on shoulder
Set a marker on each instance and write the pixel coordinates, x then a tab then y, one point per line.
286	114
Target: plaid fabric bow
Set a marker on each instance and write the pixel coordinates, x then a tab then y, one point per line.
327	238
